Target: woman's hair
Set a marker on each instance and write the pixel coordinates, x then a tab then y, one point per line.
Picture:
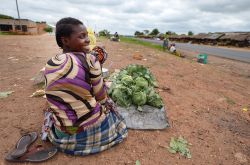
64	28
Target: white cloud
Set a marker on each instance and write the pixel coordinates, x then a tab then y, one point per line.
128	16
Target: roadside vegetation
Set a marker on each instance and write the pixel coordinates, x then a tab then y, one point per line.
139	42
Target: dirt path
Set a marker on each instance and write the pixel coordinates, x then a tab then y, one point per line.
204	104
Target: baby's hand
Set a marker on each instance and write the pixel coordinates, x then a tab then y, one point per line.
100	54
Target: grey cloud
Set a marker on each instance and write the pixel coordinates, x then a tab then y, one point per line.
223	6
96	2
128	16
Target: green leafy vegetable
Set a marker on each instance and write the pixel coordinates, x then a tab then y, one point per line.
122	95
127	80
121	75
134	84
141	71
141	82
5	94
135	88
179	145
139	98
154	99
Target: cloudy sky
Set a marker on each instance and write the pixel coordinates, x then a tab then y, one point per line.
127	16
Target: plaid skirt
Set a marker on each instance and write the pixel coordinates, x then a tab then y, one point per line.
111	131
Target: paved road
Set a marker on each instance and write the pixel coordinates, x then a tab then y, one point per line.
240	55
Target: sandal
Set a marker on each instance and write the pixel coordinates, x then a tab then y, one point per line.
23	143
35	154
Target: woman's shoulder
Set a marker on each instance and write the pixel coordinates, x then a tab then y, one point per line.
59	60
65	56
56	60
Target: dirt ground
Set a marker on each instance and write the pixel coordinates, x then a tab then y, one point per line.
204	104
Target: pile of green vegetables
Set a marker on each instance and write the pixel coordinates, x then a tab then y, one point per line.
134	85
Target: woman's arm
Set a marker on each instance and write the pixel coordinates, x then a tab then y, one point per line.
96	79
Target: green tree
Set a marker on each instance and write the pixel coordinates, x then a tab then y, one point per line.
161	36
5	16
146	32
48	29
154	32
168	33
137	33
174	34
104	32
190	33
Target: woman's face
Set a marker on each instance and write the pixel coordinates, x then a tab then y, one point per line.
78	40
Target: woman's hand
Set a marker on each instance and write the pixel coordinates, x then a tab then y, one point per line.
110	104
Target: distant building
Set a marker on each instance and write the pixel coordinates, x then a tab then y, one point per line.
40	27
239	39
27	26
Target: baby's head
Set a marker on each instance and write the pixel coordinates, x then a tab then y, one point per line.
72	35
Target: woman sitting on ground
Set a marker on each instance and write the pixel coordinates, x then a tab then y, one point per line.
84	117
172	48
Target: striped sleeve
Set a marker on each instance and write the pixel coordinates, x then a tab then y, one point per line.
99	89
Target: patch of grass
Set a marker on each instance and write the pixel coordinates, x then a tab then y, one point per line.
5	94
139	42
179	145
4	33
7	33
230	101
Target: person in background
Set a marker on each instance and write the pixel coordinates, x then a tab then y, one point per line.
116	35
172	48
165	44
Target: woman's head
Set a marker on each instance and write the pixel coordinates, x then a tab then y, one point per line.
72	35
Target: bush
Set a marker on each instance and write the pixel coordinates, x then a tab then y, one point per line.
104	33
5	16
137	33
48	29
190	33
154	32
